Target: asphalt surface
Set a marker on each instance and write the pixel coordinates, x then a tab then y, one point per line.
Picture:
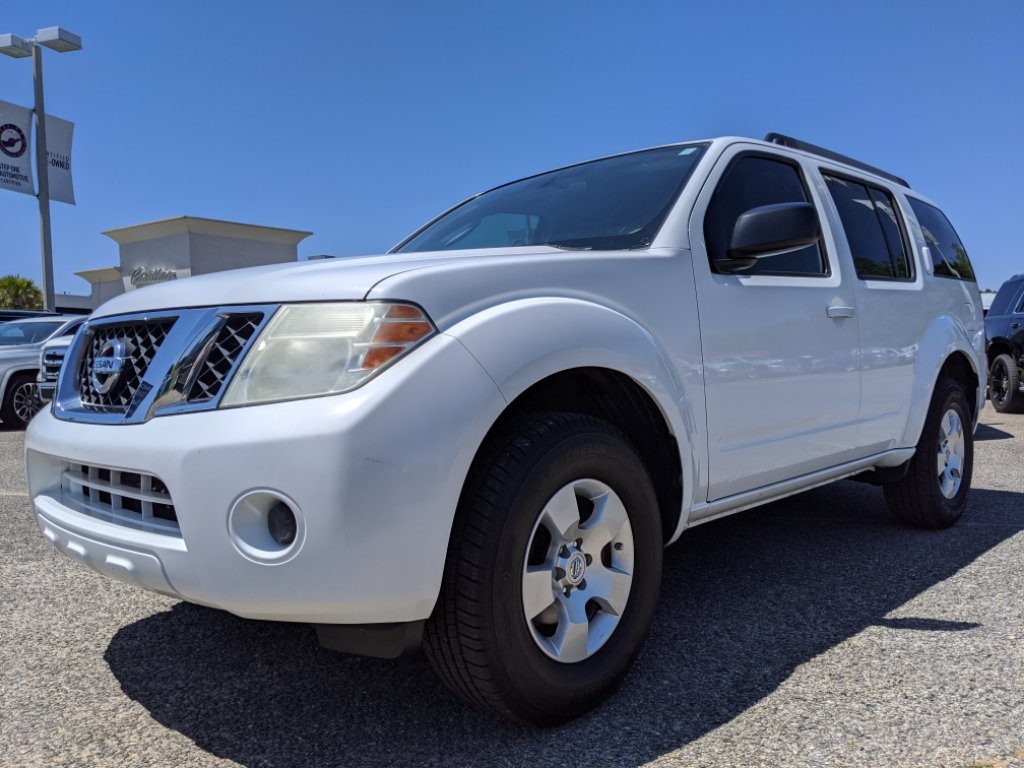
812	632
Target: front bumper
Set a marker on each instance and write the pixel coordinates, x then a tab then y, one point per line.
373	476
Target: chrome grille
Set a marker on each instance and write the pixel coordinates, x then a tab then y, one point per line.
118	496
143	338
129	369
52	361
222	355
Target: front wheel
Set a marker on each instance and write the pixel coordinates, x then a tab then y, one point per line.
20	402
933	494
553	571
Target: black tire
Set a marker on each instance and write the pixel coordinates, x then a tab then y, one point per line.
479	640
16	412
1004	385
918	499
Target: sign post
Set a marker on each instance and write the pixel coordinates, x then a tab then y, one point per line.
42	170
60	40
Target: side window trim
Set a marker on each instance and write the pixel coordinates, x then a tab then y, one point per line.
801	172
908	250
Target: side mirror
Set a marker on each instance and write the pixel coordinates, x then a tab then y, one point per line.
770	230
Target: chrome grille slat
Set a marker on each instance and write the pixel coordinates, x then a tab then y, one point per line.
220	359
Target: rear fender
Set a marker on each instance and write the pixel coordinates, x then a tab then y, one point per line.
944	336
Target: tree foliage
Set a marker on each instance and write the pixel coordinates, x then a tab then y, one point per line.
17	292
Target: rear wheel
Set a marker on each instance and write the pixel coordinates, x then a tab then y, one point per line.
553	571
20	401
1004	385
933	494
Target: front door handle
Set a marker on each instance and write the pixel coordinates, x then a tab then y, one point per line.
1015	325
837	312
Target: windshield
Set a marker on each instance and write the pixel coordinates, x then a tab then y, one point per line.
14	333
612	204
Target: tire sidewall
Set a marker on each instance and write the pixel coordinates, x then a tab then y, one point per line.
1011	397
558	687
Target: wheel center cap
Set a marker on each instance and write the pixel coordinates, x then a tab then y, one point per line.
575	568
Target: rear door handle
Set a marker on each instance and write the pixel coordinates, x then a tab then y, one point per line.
837	312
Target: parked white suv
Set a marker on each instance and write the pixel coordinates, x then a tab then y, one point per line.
483	439
51	359
20	343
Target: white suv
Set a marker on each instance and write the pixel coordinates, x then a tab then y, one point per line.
20	343
483	439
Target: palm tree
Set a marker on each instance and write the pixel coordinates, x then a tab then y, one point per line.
19	292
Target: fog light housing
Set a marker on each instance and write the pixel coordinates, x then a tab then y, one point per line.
266	526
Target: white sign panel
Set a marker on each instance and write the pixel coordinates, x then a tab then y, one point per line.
58	159
16	148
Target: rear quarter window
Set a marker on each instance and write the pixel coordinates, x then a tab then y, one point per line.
949	257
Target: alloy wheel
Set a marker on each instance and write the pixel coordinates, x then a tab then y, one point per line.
578	571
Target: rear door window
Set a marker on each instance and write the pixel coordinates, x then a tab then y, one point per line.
873	229
949	257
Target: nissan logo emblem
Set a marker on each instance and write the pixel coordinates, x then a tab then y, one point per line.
108	364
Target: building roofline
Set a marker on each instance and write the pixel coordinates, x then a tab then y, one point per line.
199	225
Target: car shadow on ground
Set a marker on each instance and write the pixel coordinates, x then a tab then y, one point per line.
988	432
744	601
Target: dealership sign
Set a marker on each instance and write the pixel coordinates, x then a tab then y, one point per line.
16	153
15	148
140	277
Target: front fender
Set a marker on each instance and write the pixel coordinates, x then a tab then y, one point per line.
944	336
523	342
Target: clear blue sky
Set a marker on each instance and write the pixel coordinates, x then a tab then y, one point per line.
359	121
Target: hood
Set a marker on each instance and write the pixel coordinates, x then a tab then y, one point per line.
322	280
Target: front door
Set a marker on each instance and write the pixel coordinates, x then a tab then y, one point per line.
780	341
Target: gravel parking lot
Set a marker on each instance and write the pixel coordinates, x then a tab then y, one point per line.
813	632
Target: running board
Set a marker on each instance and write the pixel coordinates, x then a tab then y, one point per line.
703	513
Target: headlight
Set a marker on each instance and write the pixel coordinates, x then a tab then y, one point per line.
321	349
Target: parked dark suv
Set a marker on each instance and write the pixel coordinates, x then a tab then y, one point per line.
1004	327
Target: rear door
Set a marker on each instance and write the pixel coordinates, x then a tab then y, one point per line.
893	306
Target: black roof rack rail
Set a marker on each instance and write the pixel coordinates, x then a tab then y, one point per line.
789	141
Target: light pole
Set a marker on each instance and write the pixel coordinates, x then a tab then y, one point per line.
60	40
